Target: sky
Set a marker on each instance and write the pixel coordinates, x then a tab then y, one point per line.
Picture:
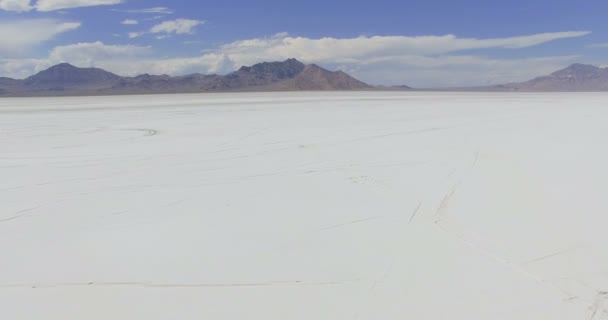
431	43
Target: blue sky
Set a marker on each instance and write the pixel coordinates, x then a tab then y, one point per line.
421	43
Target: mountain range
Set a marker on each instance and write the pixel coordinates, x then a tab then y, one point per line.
289	75
577	77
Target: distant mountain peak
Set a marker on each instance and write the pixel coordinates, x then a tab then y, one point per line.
63	65
314	77
576	77
582	66
289	67
578	69
65	75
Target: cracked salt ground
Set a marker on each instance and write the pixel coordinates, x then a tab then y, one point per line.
304	206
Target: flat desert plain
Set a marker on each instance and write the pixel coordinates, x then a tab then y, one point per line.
320	206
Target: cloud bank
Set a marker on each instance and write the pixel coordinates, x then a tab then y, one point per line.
15	5
20	36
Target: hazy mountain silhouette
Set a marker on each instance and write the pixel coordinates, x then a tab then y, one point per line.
577	77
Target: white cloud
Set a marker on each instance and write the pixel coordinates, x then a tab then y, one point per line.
21	68
155	10
91	52
130	22
154	18
52	5
115	58
178	26
133	35
20	36
362	48
15	5
417	61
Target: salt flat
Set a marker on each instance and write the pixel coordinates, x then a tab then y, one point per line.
305	206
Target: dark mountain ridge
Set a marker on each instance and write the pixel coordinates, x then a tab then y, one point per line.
314	78
288	75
